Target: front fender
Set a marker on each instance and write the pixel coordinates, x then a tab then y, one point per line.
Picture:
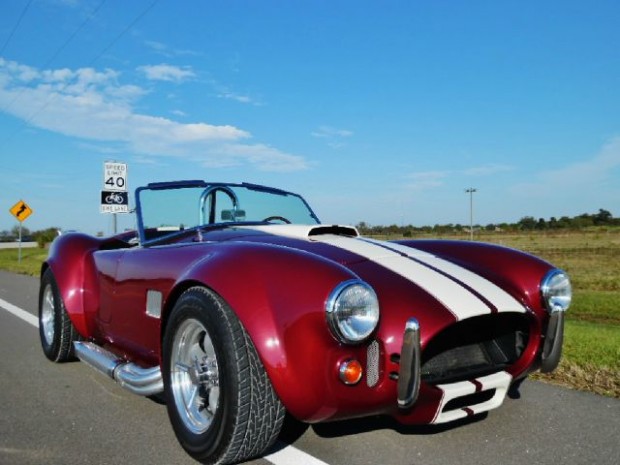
279	296
513	270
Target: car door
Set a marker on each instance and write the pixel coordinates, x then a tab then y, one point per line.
133	292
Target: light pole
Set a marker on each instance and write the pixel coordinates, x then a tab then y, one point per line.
471	191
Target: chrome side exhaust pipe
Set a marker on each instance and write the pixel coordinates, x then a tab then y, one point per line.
141	381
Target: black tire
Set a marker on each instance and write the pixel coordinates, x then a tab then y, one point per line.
56	330
220	401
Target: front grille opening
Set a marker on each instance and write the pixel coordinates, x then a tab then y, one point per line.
475	347
469	400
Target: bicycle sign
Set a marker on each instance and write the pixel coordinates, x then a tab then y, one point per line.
114	202
115	176
114	198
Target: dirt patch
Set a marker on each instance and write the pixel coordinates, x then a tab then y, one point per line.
602	381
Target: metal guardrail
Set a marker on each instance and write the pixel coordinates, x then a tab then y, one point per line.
15	245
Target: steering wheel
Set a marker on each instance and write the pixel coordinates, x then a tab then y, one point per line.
269	219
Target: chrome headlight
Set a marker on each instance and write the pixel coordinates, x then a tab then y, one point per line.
352	311
556	291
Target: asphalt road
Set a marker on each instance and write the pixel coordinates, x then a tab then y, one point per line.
69	414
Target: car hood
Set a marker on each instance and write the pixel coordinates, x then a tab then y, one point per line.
406	274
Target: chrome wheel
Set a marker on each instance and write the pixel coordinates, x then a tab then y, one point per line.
48	311
56	331
220	401
194	376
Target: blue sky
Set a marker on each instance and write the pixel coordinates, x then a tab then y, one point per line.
383	112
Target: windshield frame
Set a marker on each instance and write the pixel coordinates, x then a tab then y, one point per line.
207	186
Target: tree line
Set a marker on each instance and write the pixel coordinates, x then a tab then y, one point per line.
603	218
42	237
527	223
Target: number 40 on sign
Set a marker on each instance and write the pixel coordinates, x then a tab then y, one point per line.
115	176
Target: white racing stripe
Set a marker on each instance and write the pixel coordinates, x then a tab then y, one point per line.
450	284
499	382
503	301
461	291
285	455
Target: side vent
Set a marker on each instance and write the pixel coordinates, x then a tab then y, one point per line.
372	364
153	303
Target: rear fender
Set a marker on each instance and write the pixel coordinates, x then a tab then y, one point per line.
71	261
279	296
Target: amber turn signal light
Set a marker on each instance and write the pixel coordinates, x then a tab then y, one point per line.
350	372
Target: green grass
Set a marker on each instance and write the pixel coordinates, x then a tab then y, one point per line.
30	263
578	345
596	306
591	359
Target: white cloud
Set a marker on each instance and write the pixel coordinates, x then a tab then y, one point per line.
93	106
334	137
165	72
236	97
145	160
264	157
106	149
426	180
69	3
573	177
487	170
328	132
224	92
158	47
167	51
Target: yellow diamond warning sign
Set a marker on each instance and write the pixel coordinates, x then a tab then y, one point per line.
21	211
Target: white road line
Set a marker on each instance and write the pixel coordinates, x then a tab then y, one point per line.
18	312
288	455
285	455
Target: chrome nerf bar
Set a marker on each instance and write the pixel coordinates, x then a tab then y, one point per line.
552	349
409	376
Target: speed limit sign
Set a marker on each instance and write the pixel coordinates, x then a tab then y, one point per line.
115	176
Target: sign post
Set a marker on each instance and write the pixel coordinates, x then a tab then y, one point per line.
21	211
114	196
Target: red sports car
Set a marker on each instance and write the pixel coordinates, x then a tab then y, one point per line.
237	304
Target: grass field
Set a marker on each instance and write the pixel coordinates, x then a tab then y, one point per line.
30	263
591	359
591	356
